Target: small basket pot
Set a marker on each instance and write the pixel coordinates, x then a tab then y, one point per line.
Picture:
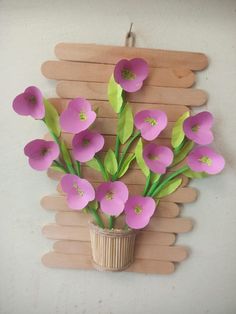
112	250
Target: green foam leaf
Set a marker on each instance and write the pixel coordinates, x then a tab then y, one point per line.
177	132
110	162
126	164
171	187
125	124
52	118
93	163
195	175
115	95
139	158
183	152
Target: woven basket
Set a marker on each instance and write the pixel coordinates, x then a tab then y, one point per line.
112	250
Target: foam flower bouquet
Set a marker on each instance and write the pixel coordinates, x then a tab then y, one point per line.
117	215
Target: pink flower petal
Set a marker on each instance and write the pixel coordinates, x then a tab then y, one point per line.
86	144
197	128
78	116
41	153
113	207
138	67
135	219
151	123
157	158
79	191
196	161
30	102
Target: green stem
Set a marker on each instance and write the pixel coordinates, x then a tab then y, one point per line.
111	220
96	217
148	180
178	149
77	168
57	140
131	140
157	189
117	147
104	173
59	165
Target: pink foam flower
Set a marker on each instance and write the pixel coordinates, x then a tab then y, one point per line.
30	103
205	159
130	74
157	158
79	191
41	153
86	144
198	128
138	211
78	116
150	123
112	197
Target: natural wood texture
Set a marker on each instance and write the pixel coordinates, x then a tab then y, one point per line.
54	259
95	72
181	195
163	253
148	94
78	233
112	54
176	225
132	177
165	209
104	109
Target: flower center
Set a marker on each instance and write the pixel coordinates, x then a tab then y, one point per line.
128	75
151	121
138	209
32	99
78	190
82	116
44	151
86	142
206	160
109	195
152	157
195	128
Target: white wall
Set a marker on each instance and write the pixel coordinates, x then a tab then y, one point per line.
205	283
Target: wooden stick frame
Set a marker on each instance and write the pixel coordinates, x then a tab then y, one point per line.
83	70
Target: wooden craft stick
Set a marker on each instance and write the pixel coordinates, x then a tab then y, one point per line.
132	177
175	225
148	94
147	251
58	260
78	233
104	109
112	54
110	141
165	209
97	72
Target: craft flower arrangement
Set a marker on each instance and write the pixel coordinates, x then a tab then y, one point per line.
162	166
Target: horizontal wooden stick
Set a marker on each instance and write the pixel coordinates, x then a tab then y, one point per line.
163	253
112	54
78	233
109	141
176	225
165	209
57	260
104	109
97	72
148	94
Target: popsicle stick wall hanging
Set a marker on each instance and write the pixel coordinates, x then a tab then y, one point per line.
130	167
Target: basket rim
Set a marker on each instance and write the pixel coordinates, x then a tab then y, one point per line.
112	232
